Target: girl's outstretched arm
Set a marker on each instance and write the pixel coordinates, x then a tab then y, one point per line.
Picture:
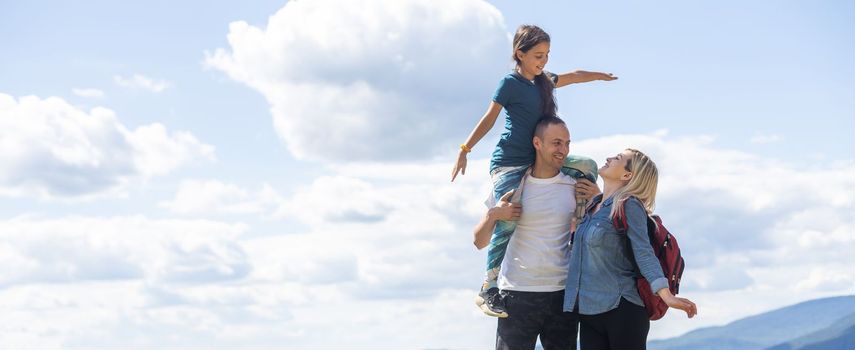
581	76
486	123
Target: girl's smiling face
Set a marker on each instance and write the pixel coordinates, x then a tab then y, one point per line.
615	167
533	62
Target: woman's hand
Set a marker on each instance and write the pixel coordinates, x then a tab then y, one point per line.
460	166
678	303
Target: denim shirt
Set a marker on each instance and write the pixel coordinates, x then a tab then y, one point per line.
601	272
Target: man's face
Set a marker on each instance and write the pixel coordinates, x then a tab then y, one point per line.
554	146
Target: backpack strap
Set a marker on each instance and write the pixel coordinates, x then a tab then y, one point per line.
619	220
622	226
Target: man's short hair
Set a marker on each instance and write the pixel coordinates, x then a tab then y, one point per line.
545	122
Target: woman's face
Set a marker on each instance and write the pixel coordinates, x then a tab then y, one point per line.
615	167
534	61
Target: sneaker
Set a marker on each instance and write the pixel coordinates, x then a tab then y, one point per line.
491	303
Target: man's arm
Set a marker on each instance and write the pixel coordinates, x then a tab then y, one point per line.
581	76
504	210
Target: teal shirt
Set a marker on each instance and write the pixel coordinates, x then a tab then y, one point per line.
523	108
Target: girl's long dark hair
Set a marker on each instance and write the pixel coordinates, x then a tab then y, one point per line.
529	36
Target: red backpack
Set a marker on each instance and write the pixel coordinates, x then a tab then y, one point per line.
667	250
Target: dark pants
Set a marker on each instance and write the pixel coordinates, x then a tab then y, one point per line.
624	328
536	313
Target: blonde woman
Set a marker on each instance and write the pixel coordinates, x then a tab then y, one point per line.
600	282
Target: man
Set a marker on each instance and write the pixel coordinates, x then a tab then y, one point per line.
533	272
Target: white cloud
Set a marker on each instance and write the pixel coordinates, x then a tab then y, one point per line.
142	82
139	283
216	197
78	249
135	283
371	80
218	285
829	278
89	93
335	200
158	151
721	276
51	149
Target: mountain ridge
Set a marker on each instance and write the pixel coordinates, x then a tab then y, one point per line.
769	329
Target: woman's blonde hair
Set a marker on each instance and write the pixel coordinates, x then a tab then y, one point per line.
642	184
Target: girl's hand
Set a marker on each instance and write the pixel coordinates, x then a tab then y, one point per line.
460	166
607	76
680	303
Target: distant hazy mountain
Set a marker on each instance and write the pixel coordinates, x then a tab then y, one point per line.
821	322
840	335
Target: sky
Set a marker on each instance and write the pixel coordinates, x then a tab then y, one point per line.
271	174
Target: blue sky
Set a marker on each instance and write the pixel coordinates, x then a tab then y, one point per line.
255	174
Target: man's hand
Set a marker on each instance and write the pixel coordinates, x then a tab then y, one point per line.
506	210
586	189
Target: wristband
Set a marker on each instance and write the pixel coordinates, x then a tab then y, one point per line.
465	148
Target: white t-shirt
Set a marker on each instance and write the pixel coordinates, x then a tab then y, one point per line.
538	253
